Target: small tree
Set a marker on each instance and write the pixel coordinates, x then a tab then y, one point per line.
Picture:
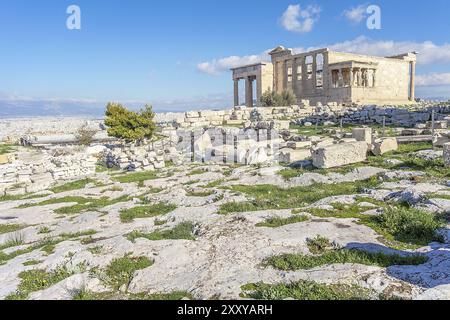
129	125
288	98
84	135
273	99
268	98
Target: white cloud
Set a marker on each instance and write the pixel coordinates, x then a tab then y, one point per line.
429	53
217	66
433	79
356	14
301	21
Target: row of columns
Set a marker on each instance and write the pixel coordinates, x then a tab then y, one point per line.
248	91
357	77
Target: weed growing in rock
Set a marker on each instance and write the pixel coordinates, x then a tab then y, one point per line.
128	215
199	193
279	222
184	230
272	197
121	270
408	225
7	228
38	279
74	185
300	261
305	290
318	244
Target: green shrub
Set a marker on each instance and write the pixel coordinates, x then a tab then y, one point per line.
409	225
318	244
129	125
273	99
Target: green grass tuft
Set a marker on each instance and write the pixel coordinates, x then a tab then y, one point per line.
199	193
36	280
279	222
87	295
182	231
290	262
408	225
214	184
318	244
196	172
31	263
305	290
7	228
74	185
266	197
121	270
139	177
128	215
6	148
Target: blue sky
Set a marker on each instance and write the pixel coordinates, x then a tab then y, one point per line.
176	54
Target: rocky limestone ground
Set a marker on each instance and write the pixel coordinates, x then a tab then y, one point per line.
209	232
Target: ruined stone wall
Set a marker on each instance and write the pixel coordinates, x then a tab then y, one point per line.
137	158
394	116
21	177
235	116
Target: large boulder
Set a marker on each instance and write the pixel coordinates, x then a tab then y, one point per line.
340	154
384	145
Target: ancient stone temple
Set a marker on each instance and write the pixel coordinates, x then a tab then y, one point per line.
327	76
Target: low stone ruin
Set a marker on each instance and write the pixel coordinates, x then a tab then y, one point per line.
135	158
407	116
38	171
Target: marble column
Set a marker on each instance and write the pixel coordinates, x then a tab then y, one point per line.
249	92
412	93
340	79
236	92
